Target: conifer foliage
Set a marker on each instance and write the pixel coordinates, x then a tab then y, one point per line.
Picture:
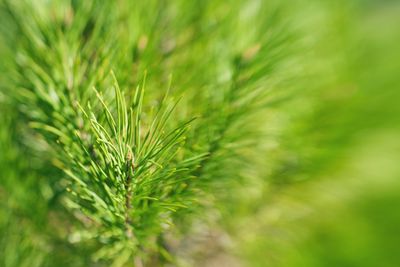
140	148
129	125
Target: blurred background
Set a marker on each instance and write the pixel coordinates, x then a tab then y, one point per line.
334	195
327	192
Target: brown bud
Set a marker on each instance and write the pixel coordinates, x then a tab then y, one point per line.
130	160
250	53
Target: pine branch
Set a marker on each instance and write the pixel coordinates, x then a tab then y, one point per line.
135	162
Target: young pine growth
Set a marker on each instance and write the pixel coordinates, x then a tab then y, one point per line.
125	173
135	163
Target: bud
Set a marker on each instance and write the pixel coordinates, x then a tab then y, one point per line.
130	160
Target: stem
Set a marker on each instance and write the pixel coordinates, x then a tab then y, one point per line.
130	169
128	196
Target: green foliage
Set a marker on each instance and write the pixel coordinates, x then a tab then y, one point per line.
131	129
